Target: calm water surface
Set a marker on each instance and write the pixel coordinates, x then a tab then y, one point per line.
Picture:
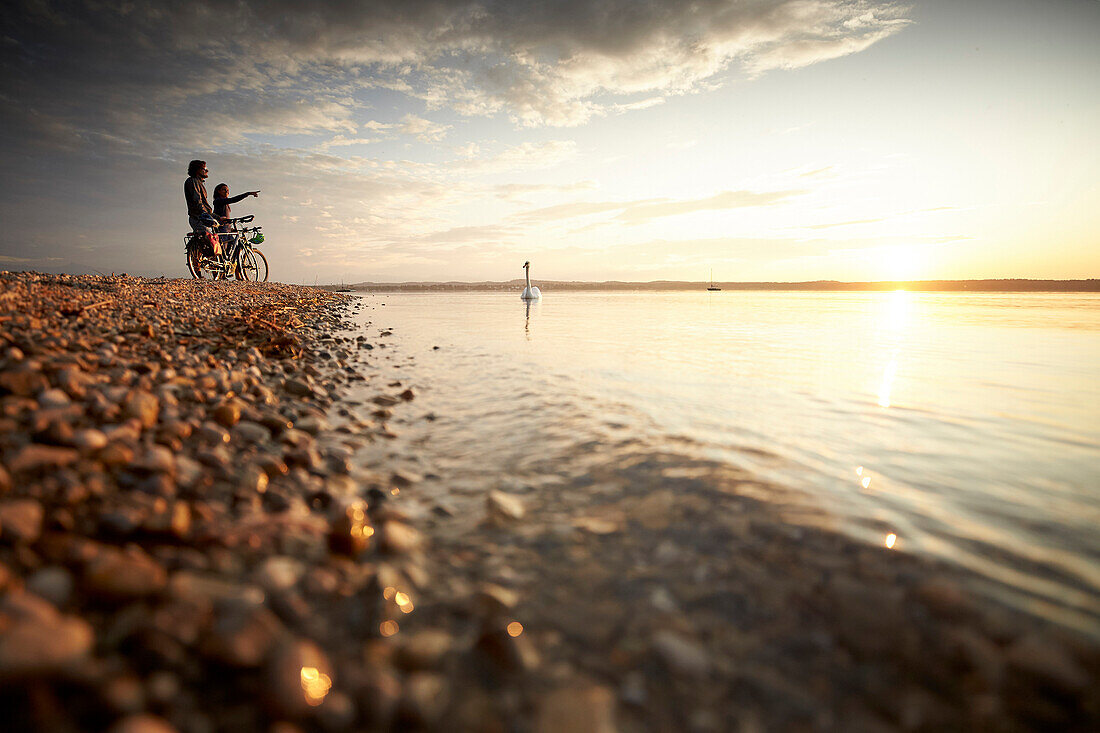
966	425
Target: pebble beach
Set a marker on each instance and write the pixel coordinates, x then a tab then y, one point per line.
192	540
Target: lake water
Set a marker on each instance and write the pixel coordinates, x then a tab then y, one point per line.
967	426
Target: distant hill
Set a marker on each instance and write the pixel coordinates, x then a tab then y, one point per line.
974	286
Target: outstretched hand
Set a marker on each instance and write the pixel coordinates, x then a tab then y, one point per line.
253	193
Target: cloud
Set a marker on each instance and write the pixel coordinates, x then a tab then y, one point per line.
139	71
645	210
844	223
422	129
639	214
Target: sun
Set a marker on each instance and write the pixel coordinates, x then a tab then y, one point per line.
901	262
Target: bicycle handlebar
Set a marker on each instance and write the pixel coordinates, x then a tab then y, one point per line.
241	220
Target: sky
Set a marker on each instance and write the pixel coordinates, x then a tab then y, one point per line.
437	140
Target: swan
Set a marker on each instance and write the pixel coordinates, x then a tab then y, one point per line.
529	293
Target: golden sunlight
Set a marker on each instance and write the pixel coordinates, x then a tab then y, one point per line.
901	262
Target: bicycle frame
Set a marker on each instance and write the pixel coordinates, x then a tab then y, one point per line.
237	250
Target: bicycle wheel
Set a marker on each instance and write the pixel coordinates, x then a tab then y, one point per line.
261	265
197	264
247	269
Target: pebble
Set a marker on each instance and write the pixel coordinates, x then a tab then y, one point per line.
124	575
37	640
399	538
34	457
251	432
278	574
578	709
228	413
1043	660
503	506
424	699
681	655
54	583
53	398
142	723
142	405
242	635
494	600
20	521
89	439
423	650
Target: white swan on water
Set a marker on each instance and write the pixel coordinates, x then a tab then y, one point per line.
529	293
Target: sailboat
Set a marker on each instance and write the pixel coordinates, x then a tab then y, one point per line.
712	286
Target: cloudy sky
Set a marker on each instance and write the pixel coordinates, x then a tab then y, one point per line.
601	139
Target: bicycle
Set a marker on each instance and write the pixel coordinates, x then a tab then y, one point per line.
238	258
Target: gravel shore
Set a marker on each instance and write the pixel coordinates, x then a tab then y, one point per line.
189	542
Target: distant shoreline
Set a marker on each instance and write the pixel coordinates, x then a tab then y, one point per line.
962	286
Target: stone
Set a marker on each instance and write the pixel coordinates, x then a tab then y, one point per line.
423	650
187	585
36	457
173	521
23	383
399	538
122	576
944	598
681	655
89	439
278	574
142	723
157	459
424	699
242	635
20	521
54	583
142	405
298	388
228	413
313	425
503	506
578	709
188	471
405	479
494	600
251	432
123	694
1045	661
37	640
53	398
